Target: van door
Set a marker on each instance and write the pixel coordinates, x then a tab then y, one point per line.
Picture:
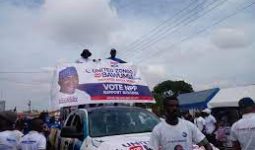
81	124
78	122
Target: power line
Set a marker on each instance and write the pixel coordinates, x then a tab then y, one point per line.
25	83
156	30
208	27
124	6
185	21
17	80
132	44
22	72
175	24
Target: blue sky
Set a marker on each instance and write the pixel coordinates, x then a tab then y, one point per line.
205	45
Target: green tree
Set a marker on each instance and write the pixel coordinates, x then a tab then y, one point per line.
176	87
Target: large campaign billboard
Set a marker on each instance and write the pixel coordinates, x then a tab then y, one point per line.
98	82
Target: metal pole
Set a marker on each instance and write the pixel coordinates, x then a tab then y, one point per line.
1	94
29	106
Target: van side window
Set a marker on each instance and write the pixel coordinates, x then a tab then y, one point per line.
77	123
69	120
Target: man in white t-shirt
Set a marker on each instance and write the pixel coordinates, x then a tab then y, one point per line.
199	121
34	140
19	125
243	131
175	133
210	126
69	82
84	56
8	138
210	121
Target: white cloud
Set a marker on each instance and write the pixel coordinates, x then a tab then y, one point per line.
81	22
231	38
157	70
51	33
48	69
153	74
157	73
56	31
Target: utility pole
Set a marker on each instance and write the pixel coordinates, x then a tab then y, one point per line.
29	106
2	102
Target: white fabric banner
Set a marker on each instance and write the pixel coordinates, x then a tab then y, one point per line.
98	82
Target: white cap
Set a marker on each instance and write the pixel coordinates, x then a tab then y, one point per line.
207	110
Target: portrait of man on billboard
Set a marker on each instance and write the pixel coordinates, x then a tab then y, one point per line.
68	81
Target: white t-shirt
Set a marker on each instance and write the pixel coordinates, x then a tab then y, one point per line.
210	124
79	97
243	131
172	137
33	141
18	134
8	140
200	123
82	60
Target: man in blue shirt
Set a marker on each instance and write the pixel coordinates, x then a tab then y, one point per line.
113	56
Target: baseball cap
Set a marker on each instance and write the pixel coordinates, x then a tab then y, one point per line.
246	102
8	116
207	110
67	72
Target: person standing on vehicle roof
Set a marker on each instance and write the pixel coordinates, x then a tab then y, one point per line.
84	56
113	57
243	131
174	132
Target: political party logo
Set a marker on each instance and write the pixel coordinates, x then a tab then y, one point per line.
184	134
136	148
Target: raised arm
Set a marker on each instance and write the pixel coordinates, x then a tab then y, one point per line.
206	144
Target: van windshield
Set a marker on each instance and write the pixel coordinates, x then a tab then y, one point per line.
116	121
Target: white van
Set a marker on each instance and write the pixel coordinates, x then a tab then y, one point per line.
101	127
108	128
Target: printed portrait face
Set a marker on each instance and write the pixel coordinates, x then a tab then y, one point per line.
69	84
68	80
